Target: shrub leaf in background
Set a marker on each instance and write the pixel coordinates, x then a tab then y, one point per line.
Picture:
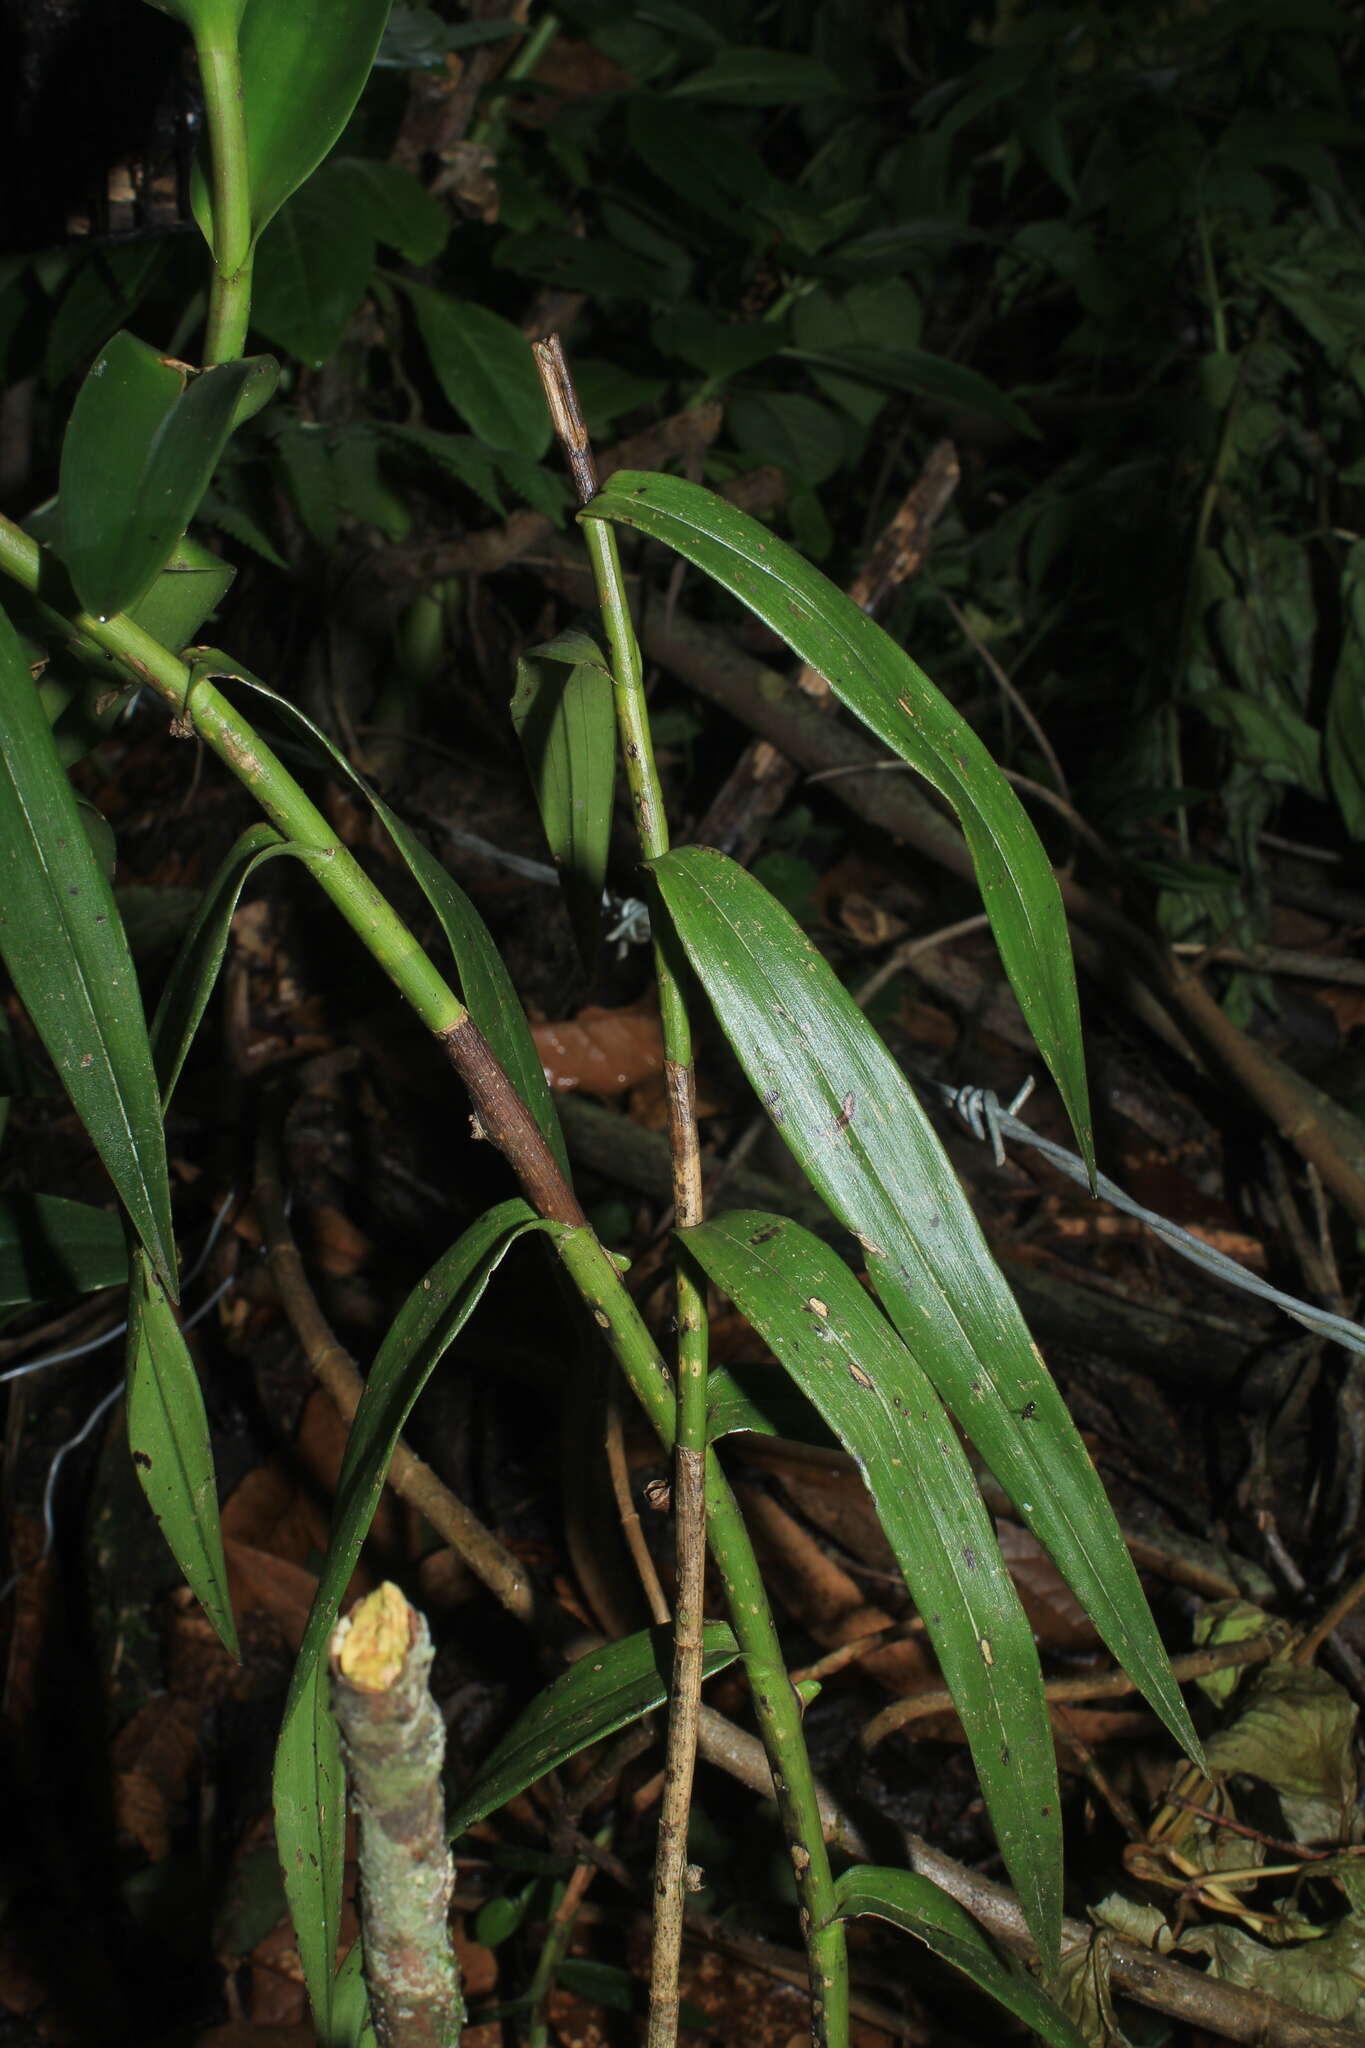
168	1435
65	948
854	1124
895	699
141	446
484	367
831	1338
564	712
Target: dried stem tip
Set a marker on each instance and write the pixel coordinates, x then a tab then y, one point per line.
562	400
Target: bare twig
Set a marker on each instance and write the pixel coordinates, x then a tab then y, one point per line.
410	1476
395	1746
1089	1686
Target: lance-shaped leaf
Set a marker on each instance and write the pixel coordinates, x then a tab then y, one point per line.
896	700
841	1352
853	1122
51	1249
918	1906
485	369
304	66
168	1435
200	958
604	1691
140	448
564	712
310	1805
64	946
484	983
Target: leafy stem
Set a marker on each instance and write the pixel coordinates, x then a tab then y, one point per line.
229	313
697	1480
777	1705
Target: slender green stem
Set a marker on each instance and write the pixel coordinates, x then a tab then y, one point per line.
563	1915
777	1705
220	73
689	1460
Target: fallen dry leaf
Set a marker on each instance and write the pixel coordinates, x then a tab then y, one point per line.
603	1052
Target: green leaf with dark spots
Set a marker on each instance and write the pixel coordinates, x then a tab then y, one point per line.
880	684
848	1362
854	1125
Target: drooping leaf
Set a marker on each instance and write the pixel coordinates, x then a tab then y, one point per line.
200	958
917	1905
852	1121
604	1691
880	683
485	369
761	78
140	447
303	69
839	1349
51	1249
564	713
310	1829
61	939
310	1814
484	983
168	1435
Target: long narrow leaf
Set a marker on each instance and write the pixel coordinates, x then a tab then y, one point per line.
851	1119
190	981
918	1906
565	718
484	983
891	695
844	1356
309	1793
168	1435
64	946
604	1691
